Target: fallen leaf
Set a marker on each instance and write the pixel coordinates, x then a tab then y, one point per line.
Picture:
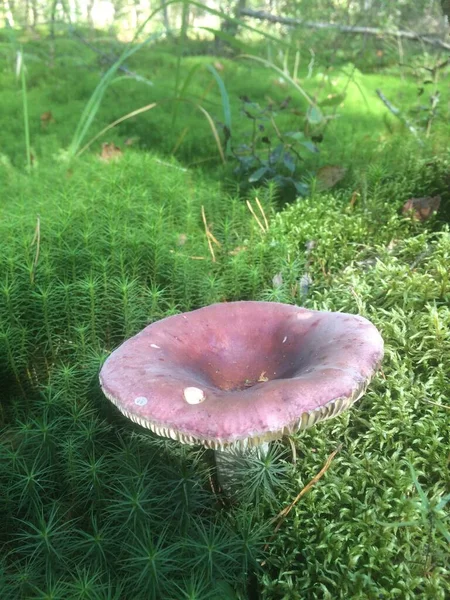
354	198
421	209
277	280
110	152
47	118
328	176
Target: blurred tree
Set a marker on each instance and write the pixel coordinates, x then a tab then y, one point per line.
165	15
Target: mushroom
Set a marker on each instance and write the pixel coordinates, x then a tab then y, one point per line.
233	376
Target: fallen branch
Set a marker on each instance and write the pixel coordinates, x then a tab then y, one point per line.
427	38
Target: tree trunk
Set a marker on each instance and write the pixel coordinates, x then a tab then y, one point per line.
9	13
27	15
166	21
230	27
90	8
35	14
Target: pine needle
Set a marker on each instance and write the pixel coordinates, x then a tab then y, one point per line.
250	208
261	210
437	404
209	235
284	513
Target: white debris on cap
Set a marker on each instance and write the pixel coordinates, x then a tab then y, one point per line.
194	395
141	400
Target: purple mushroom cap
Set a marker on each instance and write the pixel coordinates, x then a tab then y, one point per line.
242	373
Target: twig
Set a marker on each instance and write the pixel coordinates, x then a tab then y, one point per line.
274	125
311	63
284	513
397	112
437	404
191	257
166	164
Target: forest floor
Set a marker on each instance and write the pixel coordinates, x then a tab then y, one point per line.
99	239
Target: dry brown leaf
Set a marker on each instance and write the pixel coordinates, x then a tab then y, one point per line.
328	176
421	209
110	152
354	198
47	118
392	244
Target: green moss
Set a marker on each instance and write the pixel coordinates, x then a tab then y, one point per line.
90	252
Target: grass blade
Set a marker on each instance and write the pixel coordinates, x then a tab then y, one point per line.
282	74
419	488
95	100
138	111
225	101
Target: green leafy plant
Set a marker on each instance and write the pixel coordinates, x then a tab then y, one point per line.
272	157
432	521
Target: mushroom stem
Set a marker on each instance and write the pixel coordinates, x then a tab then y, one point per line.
231	466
